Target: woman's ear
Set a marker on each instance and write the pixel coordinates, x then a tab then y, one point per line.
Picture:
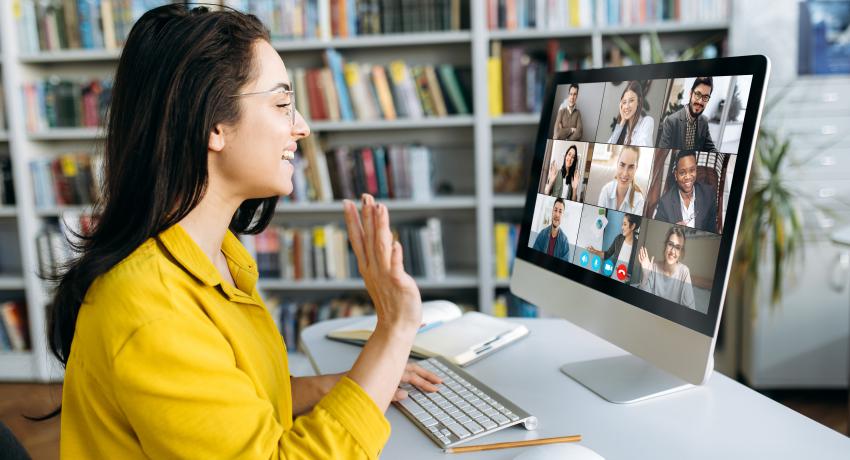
216	142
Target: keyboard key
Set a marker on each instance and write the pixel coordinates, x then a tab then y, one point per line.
473	427
412	406
500	419
488	424
459	431
430	422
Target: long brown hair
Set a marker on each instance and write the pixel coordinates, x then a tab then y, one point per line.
635	87
170	89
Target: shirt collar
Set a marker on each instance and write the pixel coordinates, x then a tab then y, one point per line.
688	116
186	252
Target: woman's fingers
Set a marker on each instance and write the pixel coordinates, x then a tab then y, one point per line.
399	395
383	238
355	232
424	373
419	382
369	227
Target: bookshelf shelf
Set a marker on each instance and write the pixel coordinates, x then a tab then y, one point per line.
8	211
432	122
66	134
373	41
458	281
664	27
69	56
16	365
370	41
11	282
509	119
539	34
439	203
508	201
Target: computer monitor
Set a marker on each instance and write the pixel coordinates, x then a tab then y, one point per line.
633	206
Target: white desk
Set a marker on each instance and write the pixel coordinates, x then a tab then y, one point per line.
723	419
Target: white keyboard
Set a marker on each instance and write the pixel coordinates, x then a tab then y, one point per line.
463	409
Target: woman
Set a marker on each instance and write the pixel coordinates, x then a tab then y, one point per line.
174	354
632	128
563	182
623	248
622	193
669	279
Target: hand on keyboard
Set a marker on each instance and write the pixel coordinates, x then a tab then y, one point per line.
462	408
420	378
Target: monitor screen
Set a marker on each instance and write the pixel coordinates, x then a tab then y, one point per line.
636	184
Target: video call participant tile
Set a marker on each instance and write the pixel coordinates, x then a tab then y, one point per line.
677	263
564	169
619	177
554	227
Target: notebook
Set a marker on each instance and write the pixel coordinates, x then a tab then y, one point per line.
462	338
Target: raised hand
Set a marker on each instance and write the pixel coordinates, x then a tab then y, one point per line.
645	261
379	259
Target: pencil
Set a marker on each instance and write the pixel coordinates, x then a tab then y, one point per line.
506	445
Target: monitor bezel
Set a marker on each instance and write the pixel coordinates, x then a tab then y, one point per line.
704	323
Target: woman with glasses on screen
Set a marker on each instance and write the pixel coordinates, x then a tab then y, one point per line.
622	193
168	347
670	278
563	182
632	127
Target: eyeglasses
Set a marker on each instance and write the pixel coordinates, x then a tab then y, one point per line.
288	103
701	97
677	247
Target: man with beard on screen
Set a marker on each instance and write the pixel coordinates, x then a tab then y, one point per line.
687	128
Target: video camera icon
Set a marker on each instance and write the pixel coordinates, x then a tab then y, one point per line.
608	268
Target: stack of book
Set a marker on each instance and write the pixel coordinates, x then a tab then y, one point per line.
66	103
350	18
384	171
631	12
505	236
517	74
52	25
322	252
67	179
293	317
539	14
347	91
14	330
7	186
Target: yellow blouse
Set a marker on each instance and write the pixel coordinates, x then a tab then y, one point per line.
170	361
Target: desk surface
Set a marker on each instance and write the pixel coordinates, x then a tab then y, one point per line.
722	419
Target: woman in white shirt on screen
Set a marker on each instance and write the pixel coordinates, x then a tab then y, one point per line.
632	127
622	193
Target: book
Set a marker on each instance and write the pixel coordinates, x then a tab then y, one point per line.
14	317
462	338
